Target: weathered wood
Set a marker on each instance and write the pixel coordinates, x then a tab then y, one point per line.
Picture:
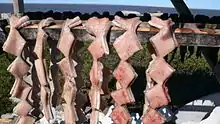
207	37
18	6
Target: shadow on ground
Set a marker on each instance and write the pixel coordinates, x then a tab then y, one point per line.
183	87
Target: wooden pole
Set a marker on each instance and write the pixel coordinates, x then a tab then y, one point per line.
18	6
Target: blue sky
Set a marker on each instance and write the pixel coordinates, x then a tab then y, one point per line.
200	4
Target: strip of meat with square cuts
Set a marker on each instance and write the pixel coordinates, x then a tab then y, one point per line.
42	37
67	66
127	44
99	28
67	41
159	23
18	68
96	74
124	74
22	108
40	64
120	115
14	43
123	96
98	48
160	70
152	117
158	96
164	41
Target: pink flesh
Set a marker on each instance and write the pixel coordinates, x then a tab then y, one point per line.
14	43
158	96
96	49
96	75
41	72
69	96
164	37
25	120
159	23
21	90
70	114
120	115
127	24
152	117
127	44
45	99
99	28
94	96
160	40
94	117
18	68
123	96
160	70
66	40
40	43
124	74
45	89
22	108
67	68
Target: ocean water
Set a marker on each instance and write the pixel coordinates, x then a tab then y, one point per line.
90	8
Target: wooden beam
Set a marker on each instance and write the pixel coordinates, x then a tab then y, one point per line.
207	37
18	6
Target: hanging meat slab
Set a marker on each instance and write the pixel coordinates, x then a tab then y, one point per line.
127	44
40	64
14	43
165	37
158	96
152	117
160	70
124	74
123	96
120	115
67	66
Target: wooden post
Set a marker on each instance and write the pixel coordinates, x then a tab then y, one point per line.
18	6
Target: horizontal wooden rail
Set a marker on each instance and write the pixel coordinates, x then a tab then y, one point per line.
186	37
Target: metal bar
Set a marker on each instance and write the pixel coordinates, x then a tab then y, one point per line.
181	7
18	6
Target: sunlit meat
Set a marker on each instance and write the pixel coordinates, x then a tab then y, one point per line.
164	41
152	117
124	74
18	69
96	74
98	48
158	96
67	66
99	28
40	64
123	96
160	70
67	40
127	44
120	115
14	43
